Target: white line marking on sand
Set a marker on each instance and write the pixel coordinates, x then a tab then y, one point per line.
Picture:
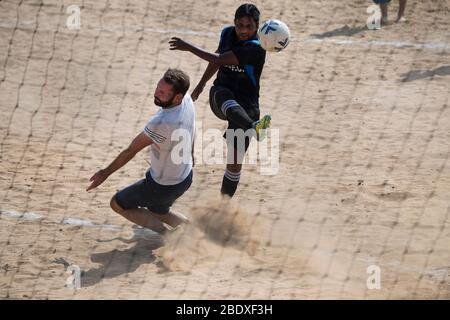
31	216
21	215
132	30
396	44
88	223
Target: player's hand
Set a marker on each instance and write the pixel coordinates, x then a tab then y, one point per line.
97	179
197	91
178	44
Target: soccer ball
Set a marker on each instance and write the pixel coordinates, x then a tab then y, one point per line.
274	35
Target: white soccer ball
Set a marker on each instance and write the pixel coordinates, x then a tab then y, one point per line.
274	35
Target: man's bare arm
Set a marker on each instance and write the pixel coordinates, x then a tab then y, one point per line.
139	142
210	71
226	58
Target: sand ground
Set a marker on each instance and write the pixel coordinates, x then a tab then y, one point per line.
364	176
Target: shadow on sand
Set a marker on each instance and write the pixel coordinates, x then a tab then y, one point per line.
342	31
118	262
423	74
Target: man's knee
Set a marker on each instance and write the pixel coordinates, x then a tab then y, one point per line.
222	94
115	206
218	95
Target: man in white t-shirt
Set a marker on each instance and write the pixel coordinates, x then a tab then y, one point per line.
170	133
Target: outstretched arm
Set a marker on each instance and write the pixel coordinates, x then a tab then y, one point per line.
210	71
226	58
139	142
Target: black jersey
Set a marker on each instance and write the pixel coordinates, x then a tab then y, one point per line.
242	80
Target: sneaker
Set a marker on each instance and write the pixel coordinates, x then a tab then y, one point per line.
260	127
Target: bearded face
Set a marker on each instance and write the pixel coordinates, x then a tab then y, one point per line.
164	94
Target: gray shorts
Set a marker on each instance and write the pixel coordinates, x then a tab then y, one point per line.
155	197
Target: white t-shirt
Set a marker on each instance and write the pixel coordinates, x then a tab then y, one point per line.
172	131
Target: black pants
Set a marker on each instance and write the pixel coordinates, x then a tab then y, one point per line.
217	96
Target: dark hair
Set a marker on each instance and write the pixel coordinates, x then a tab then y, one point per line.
178	79
247	10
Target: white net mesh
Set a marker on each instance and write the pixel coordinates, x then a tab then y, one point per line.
363	177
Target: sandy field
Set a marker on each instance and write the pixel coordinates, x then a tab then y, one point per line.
364	142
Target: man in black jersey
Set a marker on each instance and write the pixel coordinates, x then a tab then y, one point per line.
238	62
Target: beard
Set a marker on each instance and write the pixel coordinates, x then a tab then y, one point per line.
163	104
